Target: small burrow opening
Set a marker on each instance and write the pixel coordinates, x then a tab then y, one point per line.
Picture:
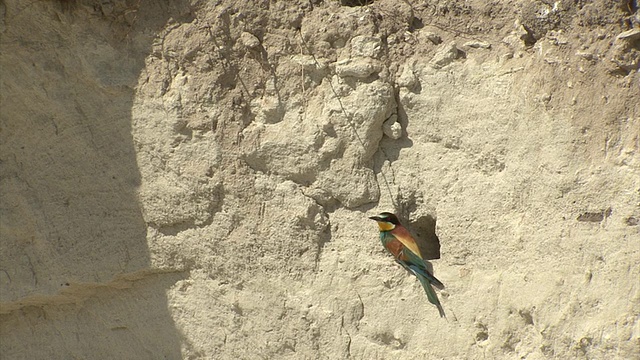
354	3
424	229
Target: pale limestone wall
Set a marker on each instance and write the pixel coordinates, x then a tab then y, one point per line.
193	180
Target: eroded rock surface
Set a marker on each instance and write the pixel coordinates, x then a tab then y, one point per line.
193	180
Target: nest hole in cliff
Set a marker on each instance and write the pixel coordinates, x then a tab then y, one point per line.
424	228
354	3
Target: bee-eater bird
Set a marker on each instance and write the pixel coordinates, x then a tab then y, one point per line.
397	240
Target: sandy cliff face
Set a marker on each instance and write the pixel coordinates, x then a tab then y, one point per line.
193	180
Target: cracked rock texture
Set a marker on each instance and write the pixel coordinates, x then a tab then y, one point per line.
192	179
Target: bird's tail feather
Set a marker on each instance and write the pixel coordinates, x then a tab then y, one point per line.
431	294
435	282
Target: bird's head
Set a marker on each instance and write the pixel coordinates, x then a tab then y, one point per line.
386	221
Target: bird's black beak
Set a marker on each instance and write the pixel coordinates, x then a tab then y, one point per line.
376	218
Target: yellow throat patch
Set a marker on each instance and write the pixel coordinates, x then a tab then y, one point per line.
385	226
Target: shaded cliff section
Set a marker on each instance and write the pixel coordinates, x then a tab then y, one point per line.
72	233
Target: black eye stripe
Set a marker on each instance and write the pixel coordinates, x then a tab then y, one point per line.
389	217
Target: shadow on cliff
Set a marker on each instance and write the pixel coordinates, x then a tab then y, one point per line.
424	227
70	216
389	151
390	148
